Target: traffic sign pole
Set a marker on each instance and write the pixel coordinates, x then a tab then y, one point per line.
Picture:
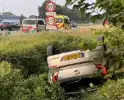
50	19
50	6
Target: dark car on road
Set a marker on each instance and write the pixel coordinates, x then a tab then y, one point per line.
11	26
73	24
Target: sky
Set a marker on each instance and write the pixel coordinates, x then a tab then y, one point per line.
25	7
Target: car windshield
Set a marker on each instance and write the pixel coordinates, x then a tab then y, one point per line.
59	20
29	22
66	20
41	22
5	23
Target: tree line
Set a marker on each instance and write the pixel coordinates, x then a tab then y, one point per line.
112	10
74	15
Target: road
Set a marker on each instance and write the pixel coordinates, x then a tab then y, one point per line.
81	28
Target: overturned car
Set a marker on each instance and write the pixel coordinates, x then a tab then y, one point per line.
76	65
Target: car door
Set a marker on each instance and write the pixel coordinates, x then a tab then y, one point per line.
6	25
41	25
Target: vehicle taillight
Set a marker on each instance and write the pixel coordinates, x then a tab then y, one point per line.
99	66
55	77
102	68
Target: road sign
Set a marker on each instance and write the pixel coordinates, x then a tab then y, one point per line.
50	6
50	20
51	27
51	13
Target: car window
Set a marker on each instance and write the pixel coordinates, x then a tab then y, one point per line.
66	21
59	20
12	23
40	22
5	22
29	22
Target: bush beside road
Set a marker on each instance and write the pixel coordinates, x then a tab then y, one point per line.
26	54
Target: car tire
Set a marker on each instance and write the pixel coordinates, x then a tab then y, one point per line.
10	29
50	50
37	30
13	29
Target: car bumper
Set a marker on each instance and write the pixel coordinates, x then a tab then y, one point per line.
77	72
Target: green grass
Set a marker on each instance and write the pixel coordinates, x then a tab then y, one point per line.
28	51
111	90
16	43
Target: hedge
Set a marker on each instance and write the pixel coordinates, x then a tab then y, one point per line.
13	86
30	53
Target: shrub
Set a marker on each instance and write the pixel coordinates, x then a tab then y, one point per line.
112	90
5	68
14	87
114	38
29	54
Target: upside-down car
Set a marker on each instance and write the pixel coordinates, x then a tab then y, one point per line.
75	65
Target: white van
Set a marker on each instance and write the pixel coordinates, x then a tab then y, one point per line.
33	24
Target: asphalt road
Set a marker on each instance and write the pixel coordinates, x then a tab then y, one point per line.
83	26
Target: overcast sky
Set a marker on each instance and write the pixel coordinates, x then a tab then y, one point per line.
25	7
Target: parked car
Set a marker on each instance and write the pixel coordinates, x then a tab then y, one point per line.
33	24
73	24
75	65
11	26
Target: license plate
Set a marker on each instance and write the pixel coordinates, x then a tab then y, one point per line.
74	56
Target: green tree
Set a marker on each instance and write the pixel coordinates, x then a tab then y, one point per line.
32	16
42	9
64	10
21	18
113	10
9	13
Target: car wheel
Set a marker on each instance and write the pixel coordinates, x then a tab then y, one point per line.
50	50
10	29
37	30
13	29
